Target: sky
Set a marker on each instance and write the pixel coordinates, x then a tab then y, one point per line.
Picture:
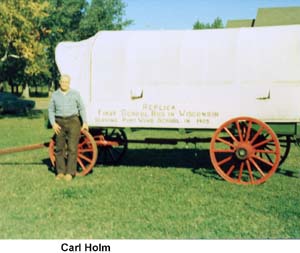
181	15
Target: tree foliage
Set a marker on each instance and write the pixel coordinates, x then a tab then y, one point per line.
20	31
64	19
217	23
61	24
103	15
31	29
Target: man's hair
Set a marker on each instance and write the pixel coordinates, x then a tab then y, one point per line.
65	76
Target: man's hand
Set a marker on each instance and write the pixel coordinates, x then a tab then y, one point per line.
85	127
56	128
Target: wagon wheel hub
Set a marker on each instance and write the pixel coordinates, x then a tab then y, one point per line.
244	151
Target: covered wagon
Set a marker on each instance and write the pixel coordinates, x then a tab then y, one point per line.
241	83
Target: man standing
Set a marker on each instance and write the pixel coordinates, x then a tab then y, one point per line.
64	110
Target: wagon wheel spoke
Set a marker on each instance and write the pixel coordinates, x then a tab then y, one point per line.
81	144
230	170
266	151
225	142
269	158
240	151
249	128
111	154
257	167
250	171
87	153
239	130
81	164
224	151
256	135
285	147
270	163
225	160
263	143
230	134
241	171
85	158
115	152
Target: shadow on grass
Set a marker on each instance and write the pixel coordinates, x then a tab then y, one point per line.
288	173
45	162
198	161
164	158
33	114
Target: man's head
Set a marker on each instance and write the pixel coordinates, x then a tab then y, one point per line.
64	82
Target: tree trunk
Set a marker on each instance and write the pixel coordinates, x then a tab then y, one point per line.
26	91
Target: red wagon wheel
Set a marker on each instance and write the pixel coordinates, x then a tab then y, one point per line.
245	150
87	153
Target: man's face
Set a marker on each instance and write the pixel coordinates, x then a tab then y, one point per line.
64	84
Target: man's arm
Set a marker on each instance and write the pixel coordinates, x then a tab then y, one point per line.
82	112
51	115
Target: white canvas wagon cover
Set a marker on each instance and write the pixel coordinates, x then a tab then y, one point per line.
186	79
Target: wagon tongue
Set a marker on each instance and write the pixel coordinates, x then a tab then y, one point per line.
23	148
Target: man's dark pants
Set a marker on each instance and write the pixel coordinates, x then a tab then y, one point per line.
68	137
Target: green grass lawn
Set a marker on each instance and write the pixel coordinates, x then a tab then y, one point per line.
157	191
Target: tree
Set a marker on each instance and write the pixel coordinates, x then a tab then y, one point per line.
20	32
103	15
199	25
21	49
80	19
217	23
64	19
61	24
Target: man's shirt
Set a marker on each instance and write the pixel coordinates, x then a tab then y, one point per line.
65	105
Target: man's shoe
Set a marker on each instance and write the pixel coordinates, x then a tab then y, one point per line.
78	174
59	176
68	177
